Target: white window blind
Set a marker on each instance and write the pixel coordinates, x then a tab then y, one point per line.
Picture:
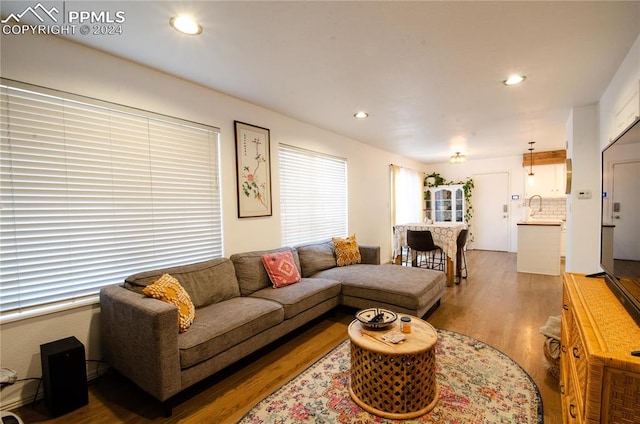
92	192
313	193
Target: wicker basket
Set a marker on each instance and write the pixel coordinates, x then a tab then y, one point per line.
552	365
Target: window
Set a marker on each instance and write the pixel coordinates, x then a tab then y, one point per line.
408	195
313	193
92	192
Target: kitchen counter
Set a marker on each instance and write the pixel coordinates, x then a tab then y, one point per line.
540	223
539	246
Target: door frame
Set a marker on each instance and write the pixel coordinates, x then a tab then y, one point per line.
508	202
610	210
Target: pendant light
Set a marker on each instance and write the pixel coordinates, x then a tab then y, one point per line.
531	177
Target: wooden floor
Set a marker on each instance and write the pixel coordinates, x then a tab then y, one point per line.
495	304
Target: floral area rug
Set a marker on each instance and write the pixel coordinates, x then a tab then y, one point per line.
478	384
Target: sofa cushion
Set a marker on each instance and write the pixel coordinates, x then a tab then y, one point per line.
206	282
223	325
168	289
347	251
315	257
281	268
297	298
410	288
250	270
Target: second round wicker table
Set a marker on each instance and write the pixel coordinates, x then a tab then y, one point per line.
395	381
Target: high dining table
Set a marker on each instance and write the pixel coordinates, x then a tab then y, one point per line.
445	235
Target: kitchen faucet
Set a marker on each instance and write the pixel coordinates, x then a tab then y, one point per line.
540	203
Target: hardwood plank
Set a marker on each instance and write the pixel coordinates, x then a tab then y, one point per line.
495	304
505	309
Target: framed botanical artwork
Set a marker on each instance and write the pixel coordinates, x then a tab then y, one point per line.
253	163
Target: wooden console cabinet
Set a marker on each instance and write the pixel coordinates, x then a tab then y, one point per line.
599	379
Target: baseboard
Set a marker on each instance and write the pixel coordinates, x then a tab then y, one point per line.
25	399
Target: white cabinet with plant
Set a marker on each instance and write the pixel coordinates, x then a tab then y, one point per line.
446	204
446	201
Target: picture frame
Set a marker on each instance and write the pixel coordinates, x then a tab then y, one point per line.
253	170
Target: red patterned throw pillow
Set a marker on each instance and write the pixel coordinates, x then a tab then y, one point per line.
281	268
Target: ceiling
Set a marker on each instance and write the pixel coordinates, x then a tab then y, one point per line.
428	73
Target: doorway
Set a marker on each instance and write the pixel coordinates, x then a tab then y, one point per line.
490	227
626	177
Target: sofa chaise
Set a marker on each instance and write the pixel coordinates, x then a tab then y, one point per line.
238	310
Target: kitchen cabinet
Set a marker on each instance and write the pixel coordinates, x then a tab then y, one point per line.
599	378
550	181
627	111
539	245
445	203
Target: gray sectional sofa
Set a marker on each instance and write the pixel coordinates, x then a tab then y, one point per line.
238	311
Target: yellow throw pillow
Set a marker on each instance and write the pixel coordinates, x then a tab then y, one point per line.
347	251
168	289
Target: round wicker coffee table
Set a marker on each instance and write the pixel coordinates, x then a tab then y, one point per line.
396	381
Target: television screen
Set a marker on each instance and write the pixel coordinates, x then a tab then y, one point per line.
620	232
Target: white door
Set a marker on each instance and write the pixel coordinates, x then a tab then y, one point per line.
490	226
626	178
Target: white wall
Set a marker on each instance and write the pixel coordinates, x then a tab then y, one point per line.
510	164
621	84
583	215
59	64
626	78
590	129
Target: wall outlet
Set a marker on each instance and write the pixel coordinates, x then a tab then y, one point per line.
584	194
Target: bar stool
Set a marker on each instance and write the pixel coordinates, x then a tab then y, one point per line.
461	255
421	245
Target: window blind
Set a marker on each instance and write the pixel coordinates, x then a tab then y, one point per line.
92	192
313	193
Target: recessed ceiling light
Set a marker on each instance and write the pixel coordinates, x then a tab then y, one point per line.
361	115
186	25
514	79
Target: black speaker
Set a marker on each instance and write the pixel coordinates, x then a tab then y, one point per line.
64	375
